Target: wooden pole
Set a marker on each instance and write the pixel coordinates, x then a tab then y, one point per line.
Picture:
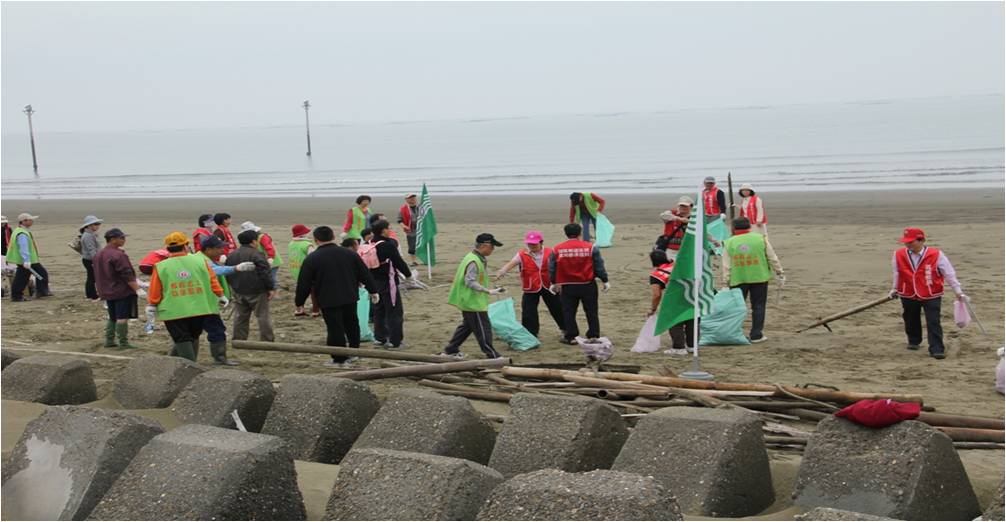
961	421
338	350
425	369
973	434
464	391
819	394
730	187
855	310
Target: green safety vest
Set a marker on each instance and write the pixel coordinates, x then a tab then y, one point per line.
220	279
359	223
297	252
14	249
748	262
276	261
186	290
464	298
591	204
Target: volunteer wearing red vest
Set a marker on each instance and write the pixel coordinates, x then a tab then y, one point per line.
534	279
714	202
204	229
572	267
753	209
223	232
919	273
407	215
675	225
682	334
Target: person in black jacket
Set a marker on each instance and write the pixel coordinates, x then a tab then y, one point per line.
251	291
335	273
389	312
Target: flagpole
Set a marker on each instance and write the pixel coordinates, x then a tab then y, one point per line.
696	372
429	267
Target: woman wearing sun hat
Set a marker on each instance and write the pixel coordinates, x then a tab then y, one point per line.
533	263
89	247
753	209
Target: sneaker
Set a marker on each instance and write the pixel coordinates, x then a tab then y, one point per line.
331	364
459	356
913	347
571	342
348	363
401	346
226	362
676	351
379	344
938	355
759	340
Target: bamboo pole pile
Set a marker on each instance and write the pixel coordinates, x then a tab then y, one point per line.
789	414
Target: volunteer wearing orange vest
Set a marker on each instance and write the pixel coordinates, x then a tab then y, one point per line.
534	281
185	290
682	334
753	209
919	272
572	267
748	263
714	202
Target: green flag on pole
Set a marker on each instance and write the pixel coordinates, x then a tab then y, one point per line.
678	302
426	230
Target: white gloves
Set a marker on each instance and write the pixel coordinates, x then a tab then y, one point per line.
143	284
223	301
222	260
141	293
27	266
150	310
375	298
270	261
247	266
554	289
781	279
606	287
893	293
342	235
497	291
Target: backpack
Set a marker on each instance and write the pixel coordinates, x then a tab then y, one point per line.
74	244
368	252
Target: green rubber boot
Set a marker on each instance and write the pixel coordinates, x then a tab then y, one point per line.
122	329
110	334
185	350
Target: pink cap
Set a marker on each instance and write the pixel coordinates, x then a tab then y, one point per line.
533	237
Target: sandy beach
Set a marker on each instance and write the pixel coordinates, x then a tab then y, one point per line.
835	246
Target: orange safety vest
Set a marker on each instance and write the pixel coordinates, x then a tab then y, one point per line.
663	272
533	277
921	282
574	262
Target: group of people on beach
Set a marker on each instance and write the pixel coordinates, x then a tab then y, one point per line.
194	276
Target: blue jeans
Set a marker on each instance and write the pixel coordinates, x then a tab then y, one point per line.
585	220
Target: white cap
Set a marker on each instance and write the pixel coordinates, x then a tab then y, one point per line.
24	215
685	200
248	225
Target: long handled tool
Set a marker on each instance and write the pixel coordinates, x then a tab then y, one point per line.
967	303
834	317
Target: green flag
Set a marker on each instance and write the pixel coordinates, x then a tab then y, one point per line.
678	301
426	230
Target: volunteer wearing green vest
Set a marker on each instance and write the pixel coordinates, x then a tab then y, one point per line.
470	294
357	219
185	290
583	207
748	263
23	252
296	252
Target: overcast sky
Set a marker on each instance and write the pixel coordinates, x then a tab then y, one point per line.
121	66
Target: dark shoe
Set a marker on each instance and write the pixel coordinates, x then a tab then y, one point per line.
571	342
47	294
225	362
938	355
110	334
913	347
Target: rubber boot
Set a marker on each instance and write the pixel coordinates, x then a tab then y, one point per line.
110	334
219	352
184	350
195	348
122	330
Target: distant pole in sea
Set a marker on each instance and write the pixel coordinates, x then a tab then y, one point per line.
307	125
31	135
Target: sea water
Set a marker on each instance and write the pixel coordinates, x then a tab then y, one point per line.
867	145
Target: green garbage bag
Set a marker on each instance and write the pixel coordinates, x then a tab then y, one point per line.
725	325
363	313
503	319
604	231
719	231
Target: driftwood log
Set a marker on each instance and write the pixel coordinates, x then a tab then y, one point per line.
338	350
425	369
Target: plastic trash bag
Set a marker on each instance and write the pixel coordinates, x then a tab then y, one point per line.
880	413
604	231
961	315
647	342
719	231
503	319
601	350
363	313
725	325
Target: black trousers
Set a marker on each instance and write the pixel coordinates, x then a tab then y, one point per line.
759	297
571	297
89	289
529	310
682	334
20	282
912	310
187	329
388	319
343	327
216	331
474	323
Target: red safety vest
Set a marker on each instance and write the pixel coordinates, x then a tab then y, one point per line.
533	277
750	211
663	272
574	262
674	231
710	203
406	213
197	241
923	282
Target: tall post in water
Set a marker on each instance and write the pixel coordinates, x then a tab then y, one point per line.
31	135
307	125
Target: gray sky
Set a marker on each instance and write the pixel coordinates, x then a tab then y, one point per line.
119	66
